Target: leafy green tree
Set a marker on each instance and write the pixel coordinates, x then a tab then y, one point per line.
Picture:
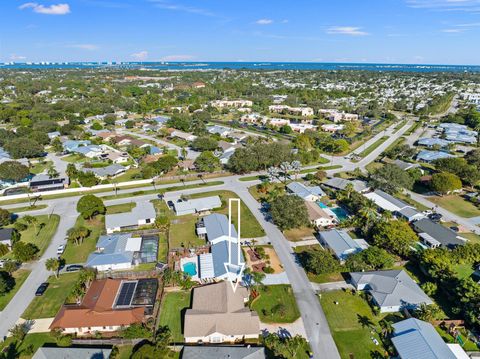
90	205
19	331
204	143
289	212
391	179
165	164
428	313
53	265
87	179
10	266
207	162
24	252
24	147
96	126
71	171
394	236
5	217
445	182
318	261
430	288
372	258
285	347
129	124
6	282
57	145
13	171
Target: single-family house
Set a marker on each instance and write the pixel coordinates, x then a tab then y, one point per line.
6	236
54	134
222	131
340	243
307	193
430	156
414	339
320	217
405	165
391	290
433	142
214	228
196	205
70	146
89	151
142	214
410	214
341	184
123	251
219	315
223	352
72	353
183	135
109	305
435	235
110	171
386	201
43	182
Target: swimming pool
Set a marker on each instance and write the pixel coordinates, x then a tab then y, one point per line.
340	213
322	205
190	268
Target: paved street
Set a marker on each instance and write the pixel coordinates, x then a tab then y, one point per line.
66	209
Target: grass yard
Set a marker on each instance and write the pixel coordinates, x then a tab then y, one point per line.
162	247
129	175
73	158
276	304
79	254
20	276
457	205
250	226
121	208
57	292
172	311
468	346
40	167
411	201
182	232
27	347
319	278
27	208
464	270
345	321
39	234
372	166
472	237
297	234
372	147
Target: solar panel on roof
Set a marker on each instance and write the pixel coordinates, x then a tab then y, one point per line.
125	295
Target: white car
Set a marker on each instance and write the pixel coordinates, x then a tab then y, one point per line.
61	248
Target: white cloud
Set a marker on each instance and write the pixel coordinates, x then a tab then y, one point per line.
89	47
58	9
15	57
452	31
178	58
446	5
140	56
346	30
264	22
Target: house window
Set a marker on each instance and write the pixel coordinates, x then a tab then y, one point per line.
148	220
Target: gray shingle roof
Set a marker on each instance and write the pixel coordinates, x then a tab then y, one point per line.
391	288
223	352
395	201
114	250
340	242
142	210
416	339
445	236
197	205
341	183
216	226
303	191
220	257
72	353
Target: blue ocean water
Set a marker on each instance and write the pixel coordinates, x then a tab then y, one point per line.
248	65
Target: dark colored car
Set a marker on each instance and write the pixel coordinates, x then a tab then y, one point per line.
74	268
170	204
40	290
436	217
455	229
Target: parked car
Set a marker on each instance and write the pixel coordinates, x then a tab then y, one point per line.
170	204
455	229
435	217
61	249
41	289
74	268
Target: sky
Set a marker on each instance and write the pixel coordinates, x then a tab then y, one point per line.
373	31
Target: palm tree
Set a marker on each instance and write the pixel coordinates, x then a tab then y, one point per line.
364	321
31	221
387	327
53	264
428	313
52	172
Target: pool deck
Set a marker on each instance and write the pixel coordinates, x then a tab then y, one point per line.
187	260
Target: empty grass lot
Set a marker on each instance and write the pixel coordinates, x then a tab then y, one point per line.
39	234
47	305
250	226
457	205
79	253
20	277
268	303
182	232
351	322
172	311
319	278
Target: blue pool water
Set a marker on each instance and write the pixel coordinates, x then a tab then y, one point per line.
322	205
340	213
190	268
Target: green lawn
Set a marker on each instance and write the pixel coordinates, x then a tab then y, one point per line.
182	232
319	278
297	234
129	175
372	147
250	226
39	234
40	167
468	344
20	277
121	208
73	158
457	205
79	253
344	320
162	247
20	350
271	297
27	208
49	303
172	311
464	270
124	351
474	238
